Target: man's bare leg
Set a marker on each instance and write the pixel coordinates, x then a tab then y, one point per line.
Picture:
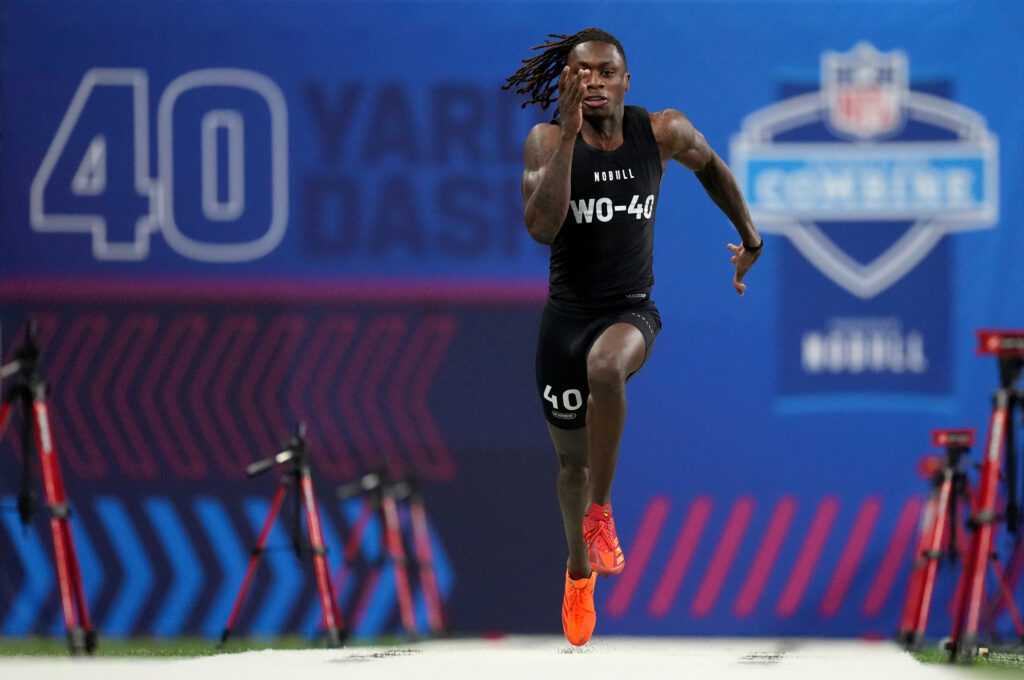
616	354
573	493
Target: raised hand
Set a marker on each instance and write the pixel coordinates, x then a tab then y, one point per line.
572	88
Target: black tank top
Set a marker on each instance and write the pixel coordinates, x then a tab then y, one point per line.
603	255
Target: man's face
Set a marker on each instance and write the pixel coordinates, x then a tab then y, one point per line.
608	80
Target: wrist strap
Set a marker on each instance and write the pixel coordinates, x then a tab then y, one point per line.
753	249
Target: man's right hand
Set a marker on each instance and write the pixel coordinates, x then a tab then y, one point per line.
572	88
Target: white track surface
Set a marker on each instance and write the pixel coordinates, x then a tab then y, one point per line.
518	658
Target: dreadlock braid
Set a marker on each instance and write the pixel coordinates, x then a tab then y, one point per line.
538	76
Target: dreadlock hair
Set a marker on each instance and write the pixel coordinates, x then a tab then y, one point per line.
538	76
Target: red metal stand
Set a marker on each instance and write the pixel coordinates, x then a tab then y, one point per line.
425	561
940	518
383	499
396	549
1008	346
30	390
297	475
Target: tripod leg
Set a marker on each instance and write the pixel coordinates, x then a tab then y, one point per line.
931	555
5	417
257	552
393	537
354	541
1007	594
362	604
81	637
425	559
328	602
912	601
968	614
1011	577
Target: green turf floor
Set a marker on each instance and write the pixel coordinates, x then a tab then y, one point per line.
999	661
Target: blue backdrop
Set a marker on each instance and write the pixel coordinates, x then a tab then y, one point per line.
230	216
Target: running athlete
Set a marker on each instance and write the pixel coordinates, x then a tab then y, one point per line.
590	189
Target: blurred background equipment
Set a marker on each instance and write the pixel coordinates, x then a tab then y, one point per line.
29	391
954	502
1000	462
298	476
390	503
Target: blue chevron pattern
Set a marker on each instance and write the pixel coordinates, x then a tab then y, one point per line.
136	569
160	567
38	580
231	557
188	570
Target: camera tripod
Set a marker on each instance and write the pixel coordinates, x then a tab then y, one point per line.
30	390
297	474
381	498
1008	347
941	535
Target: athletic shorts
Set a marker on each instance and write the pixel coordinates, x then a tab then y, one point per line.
562	350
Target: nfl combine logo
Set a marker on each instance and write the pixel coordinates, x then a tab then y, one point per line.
864	173
886	153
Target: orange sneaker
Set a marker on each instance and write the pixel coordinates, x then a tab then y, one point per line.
599	532
578	613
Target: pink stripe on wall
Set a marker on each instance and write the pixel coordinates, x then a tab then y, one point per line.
725	554
892	561
638	555
764	560
894	557
860	535
807	559
679	561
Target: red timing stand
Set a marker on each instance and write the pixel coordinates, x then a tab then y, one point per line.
382	499
298	475
410	492
30	390
1008	347
940	528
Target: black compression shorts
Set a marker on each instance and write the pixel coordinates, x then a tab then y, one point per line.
562	350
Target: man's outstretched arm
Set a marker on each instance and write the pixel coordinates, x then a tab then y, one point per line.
682	142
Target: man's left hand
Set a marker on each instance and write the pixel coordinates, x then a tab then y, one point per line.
743	259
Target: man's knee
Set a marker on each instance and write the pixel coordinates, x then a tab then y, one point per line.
574	471
606	372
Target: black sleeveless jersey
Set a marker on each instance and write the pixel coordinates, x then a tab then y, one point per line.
603	255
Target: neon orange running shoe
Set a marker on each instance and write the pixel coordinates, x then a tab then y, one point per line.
578	613
599	532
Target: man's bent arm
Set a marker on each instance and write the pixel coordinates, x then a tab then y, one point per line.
682	142
721	186
546	181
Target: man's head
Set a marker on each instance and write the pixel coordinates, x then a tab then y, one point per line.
592	48
608	80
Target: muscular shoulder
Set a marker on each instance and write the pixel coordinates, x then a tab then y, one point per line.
673	131
543	138
677	138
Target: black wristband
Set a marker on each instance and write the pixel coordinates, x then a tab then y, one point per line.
754	249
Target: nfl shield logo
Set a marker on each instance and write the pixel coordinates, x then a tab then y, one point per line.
864	90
